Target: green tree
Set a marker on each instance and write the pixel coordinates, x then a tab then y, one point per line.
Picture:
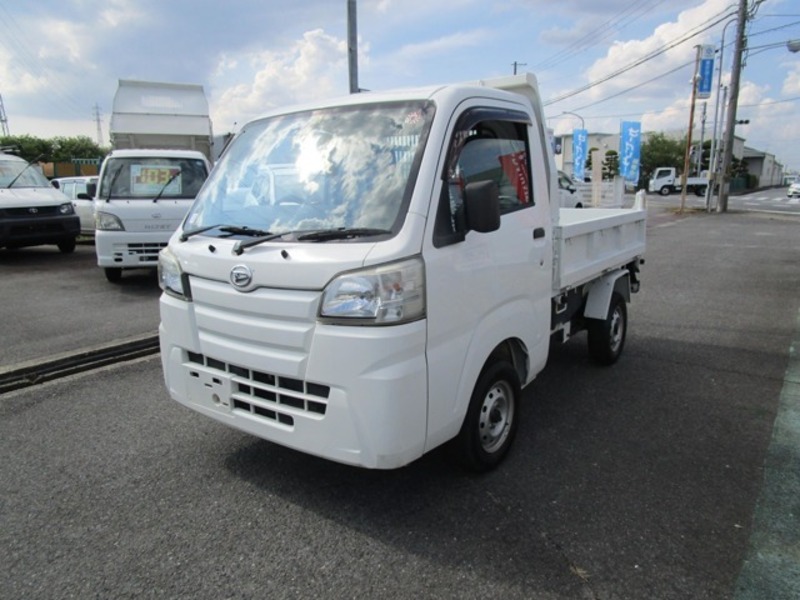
658	150
67	148
58	149
28	147
611	164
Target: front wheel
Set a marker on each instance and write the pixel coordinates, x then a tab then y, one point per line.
67	246
113	274
607	337
665	191
491	422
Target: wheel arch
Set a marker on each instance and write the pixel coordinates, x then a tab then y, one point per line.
599	295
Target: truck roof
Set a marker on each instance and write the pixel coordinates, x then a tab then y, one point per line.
509	88
157	152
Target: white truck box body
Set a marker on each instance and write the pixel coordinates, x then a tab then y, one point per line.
265	360
148	114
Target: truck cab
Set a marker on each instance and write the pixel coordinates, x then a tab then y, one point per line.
142	197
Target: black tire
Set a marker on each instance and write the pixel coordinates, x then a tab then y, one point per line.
113	274
607	337
491	421
67	246
700	190
665	191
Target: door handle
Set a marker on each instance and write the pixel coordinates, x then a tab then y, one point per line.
538	233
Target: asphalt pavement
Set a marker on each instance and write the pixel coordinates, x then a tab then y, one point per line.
672	474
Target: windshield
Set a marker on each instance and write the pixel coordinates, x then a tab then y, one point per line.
26	176
332	169
146	177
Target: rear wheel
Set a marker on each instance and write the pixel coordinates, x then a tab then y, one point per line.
113	274
491	422
700	190
607	337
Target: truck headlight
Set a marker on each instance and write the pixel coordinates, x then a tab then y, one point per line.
384	295
66	209
171	277
107	222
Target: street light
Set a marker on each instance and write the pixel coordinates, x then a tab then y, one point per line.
793	45
566	112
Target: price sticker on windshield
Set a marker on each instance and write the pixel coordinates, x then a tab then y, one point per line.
150	180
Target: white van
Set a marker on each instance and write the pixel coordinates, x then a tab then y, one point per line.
141	200
80	190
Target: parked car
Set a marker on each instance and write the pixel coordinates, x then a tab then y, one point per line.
81	191
794	190
566	192
32	212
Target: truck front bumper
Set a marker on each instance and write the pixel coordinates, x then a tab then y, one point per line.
360	397
129	250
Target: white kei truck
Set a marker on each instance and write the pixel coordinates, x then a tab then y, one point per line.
142	197
369	278
666	180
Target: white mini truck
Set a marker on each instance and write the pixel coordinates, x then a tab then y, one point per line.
141	199
368	278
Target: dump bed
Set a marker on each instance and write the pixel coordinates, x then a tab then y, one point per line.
591	241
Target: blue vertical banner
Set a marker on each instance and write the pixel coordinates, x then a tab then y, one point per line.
630	149
705	72
580	143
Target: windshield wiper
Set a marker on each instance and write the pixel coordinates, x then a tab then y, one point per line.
113	181
241	245
229	229
25	168
164	187
343	233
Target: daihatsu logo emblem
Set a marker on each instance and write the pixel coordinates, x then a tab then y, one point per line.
33	211
241	276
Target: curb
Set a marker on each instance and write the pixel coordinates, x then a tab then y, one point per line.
39	371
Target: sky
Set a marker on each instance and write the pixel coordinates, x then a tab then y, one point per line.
60	60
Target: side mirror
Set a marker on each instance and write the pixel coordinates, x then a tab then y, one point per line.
482	206
56	184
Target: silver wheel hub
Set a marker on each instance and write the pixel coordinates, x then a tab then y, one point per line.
616	329
496	416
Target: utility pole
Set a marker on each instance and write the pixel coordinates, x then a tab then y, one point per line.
352	45
699	168
733	102
687	157
3	118
518	64
96	113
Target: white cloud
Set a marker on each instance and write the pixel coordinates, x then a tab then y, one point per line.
312	68
791	85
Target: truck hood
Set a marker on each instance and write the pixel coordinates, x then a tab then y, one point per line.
280	265
31	197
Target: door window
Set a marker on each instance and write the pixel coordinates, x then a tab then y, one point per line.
491	149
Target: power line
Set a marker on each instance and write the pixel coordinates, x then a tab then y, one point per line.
686	37
597	35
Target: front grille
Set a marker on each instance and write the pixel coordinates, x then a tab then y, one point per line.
29	213
265	394
147	252
36	228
